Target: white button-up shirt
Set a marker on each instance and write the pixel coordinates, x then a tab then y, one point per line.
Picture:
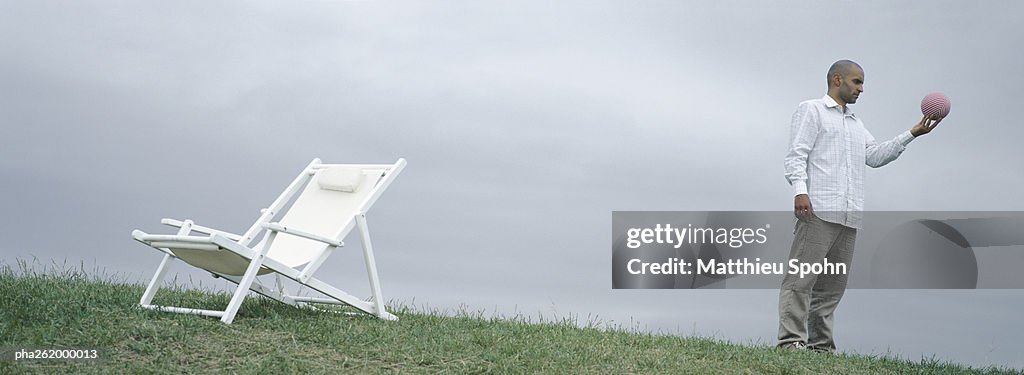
828	151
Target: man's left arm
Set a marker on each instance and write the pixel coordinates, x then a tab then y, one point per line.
879	154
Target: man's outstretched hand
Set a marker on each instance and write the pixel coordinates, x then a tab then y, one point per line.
925	126
802	207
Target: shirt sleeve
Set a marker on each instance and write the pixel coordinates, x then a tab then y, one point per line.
879	154
803	130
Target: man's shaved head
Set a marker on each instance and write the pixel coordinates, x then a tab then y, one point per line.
842	68
845	82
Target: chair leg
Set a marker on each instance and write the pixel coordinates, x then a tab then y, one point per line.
371	266
246	282
279	283
158	278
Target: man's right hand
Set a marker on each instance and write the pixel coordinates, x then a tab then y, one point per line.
925	126
802	207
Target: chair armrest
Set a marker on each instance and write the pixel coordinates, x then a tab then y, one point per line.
201	229
277	227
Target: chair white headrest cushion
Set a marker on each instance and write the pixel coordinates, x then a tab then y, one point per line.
340	179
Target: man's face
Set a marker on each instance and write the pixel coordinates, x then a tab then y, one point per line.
852	85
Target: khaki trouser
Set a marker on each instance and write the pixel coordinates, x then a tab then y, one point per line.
806	305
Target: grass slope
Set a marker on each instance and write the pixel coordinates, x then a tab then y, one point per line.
73	310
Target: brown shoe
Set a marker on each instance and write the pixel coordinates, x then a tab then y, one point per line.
796	345
818	349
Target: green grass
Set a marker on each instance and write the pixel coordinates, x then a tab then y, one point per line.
70	309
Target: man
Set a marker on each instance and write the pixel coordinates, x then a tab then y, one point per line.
828	150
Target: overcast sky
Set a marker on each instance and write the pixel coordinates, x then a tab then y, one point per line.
525	125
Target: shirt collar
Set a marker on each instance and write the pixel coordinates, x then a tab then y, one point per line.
831	103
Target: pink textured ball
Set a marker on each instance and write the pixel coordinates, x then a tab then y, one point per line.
935	104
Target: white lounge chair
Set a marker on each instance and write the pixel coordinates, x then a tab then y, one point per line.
327	202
